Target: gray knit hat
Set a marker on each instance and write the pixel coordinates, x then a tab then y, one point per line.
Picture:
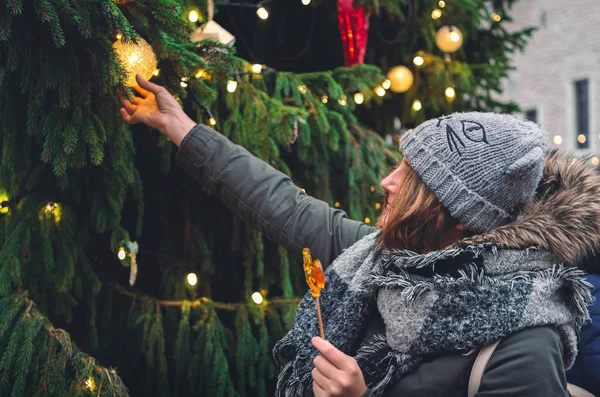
481	166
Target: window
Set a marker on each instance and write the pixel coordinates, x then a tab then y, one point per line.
582	114
531	115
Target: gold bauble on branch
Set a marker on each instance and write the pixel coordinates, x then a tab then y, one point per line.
449	38
401	78
136	59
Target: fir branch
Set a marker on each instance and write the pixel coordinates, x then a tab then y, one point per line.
203	301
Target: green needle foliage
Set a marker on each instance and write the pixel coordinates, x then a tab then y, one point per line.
77	184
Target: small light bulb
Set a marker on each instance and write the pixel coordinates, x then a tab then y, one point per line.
436	14
372	188
359	98
377	206
455	37
119	36
3	207
342	101
262	13
417	105
257	298
200	73
122	254
379	90
302	89
50	207
367	220
497	17
337	204
324	99
306	2
557	139
156	72
442	3
232	85
386	84
581	138
90	384
192	279
212	121
194	15
450	92
418	60
183	84
595	160
256	68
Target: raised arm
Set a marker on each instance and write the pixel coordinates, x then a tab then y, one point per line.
252	189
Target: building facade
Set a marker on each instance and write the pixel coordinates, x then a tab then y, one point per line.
557	78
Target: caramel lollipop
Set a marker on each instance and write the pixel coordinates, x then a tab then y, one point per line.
315	278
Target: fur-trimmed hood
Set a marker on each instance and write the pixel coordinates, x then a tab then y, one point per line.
564	216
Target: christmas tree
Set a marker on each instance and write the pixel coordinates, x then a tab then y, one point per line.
112	258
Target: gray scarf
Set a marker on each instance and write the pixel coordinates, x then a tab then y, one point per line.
490	294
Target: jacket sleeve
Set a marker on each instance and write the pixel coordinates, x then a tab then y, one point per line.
527	363
266	198
589	344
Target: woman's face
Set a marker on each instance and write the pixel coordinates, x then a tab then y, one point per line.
391	185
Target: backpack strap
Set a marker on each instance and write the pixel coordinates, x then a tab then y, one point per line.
481	362
479	367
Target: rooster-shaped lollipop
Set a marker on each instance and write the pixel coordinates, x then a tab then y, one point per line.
315	278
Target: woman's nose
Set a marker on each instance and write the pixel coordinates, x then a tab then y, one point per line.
387	183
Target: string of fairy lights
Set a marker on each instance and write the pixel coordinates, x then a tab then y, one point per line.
140	59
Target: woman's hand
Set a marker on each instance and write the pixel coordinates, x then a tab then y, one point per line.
156	108
335	373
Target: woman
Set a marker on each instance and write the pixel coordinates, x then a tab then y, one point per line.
465	256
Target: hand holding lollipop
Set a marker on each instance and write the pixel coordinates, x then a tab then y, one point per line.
315	278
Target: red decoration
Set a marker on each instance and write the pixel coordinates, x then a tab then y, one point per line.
354	28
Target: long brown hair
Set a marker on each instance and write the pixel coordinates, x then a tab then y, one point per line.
416	219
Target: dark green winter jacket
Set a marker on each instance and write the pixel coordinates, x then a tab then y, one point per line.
527	363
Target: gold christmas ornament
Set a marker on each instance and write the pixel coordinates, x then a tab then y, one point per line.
401	78
136	59
449	38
